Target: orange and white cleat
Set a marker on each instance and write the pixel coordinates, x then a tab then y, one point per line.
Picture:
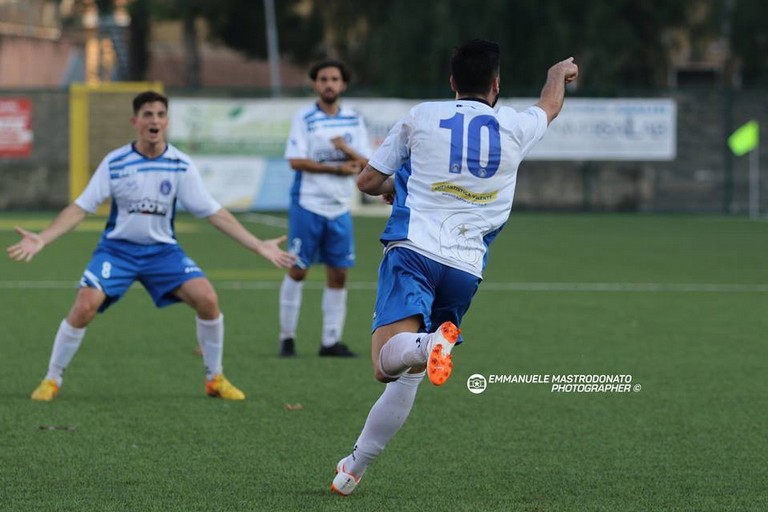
439	358
344	483
46	391
220	387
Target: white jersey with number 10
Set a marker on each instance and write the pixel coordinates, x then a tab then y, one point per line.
455	165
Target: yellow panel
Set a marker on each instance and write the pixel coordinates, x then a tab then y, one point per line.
98	123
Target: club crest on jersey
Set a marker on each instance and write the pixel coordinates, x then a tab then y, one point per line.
165	187
147	206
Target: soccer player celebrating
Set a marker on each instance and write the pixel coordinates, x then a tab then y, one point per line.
449	168
144	179
327	147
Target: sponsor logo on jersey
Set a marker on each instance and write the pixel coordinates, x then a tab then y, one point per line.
330	155
147	206
446	187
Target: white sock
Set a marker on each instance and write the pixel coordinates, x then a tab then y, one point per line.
65	346
334	314
402	351
386	417
210	337
290	304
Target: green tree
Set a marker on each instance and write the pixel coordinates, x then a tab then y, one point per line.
749	40
407	44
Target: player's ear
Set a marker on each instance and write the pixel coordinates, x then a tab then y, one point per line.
453	85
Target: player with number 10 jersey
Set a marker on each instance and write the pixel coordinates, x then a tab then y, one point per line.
455	165
449	168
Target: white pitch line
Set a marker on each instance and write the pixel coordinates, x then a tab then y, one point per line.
265	220
487	286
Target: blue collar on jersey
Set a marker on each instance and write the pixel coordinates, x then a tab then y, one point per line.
467	98
338	112
133	145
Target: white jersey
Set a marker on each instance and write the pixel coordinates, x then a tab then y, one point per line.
455	165
310	137
144	193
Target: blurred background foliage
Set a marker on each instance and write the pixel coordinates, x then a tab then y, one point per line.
622	43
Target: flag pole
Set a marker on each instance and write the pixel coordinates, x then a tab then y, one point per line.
754	183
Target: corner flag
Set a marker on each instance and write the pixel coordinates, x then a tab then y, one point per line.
744	140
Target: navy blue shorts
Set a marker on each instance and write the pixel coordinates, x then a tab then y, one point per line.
317	239
161	268
411	284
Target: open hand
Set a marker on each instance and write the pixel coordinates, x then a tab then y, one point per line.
270	249
29	245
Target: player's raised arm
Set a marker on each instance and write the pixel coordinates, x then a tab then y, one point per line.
553	92
32	243
270	249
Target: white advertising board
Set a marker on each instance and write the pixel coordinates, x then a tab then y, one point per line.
239	143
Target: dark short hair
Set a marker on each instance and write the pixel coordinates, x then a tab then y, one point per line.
331	63
474	65
148	97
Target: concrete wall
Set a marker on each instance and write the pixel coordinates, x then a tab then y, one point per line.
42	180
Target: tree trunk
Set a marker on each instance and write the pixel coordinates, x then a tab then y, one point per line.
192	51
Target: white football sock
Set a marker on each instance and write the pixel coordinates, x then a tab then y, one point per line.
334	314
290	304
402	351
210	337
387	415
65	346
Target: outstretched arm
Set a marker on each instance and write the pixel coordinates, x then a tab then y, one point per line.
225	222
32	243
553	92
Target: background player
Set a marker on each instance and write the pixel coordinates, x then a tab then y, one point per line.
327	147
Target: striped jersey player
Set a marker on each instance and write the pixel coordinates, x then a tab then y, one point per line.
327	147
144	180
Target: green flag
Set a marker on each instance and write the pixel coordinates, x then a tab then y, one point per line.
744	140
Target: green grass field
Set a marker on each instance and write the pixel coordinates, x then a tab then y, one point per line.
678	303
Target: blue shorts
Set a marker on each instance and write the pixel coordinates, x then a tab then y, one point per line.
317	239
161	268
411	284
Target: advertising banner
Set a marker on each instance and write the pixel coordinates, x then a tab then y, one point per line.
15	128
238	144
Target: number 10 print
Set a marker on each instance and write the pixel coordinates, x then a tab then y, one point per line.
473	144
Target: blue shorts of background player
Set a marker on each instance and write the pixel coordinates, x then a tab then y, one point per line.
160	268
411	284
317	239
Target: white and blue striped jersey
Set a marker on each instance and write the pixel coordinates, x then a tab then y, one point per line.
144	193
310	137
455	165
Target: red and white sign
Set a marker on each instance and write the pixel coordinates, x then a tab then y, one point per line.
15	127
